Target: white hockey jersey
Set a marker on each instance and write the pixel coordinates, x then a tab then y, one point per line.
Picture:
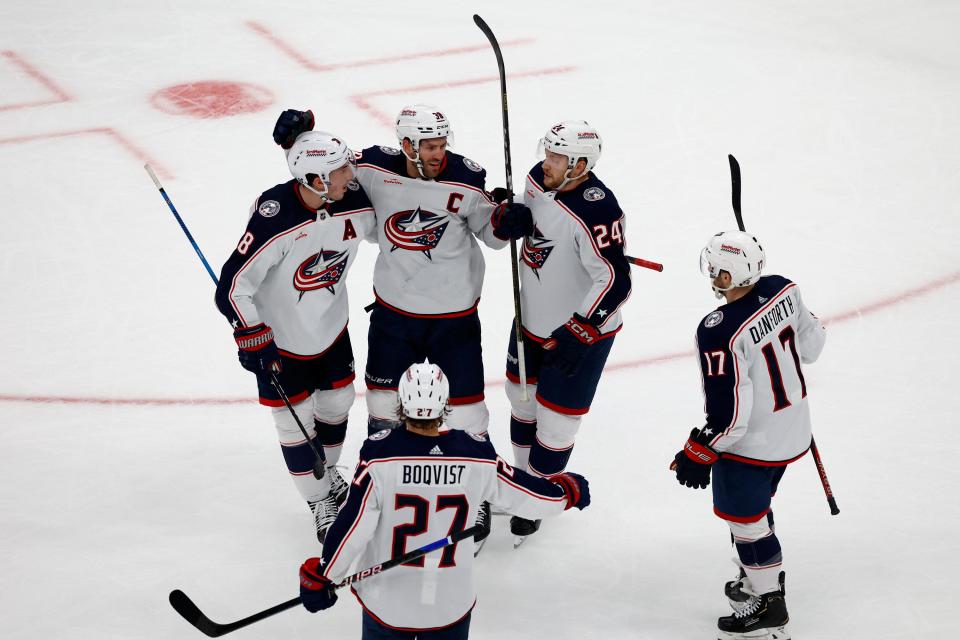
289	268
430	263
751	355
574	261
410	490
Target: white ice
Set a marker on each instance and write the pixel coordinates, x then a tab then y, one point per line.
845	116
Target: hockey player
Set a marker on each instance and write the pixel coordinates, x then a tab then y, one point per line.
412	486
574	279
431	206
758	420
284	293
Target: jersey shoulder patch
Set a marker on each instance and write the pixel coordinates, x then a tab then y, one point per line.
386	158
463	170
380	435
278	209
593	202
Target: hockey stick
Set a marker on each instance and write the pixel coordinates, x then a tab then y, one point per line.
190	612
320	462
508	168
648	264
821	470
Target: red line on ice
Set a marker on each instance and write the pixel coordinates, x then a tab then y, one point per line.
305	62
360	99
121	139
873	307
36	74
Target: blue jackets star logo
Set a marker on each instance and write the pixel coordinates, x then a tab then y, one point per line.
320	271
536	250
415	230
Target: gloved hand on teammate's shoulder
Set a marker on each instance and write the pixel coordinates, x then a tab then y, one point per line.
576	487
501	194
316	590
693	464
291	124
511	220
258	353
568	344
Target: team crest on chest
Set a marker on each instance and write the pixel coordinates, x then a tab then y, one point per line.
593	194
320	271
417	230
713	319
269	208
536	250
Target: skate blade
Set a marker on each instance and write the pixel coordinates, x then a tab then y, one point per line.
478	546
519	540
771	633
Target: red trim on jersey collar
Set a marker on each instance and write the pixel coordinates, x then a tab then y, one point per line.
296	189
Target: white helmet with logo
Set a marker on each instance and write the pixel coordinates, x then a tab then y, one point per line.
318	153
575	139
423	391
736	252
421	122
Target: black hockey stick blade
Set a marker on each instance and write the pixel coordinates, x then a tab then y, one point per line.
183	605
735	190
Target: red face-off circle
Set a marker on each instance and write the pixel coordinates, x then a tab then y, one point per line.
212	99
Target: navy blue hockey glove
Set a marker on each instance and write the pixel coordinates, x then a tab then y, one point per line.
290	124
501	194
692	465
258	352
568	344
576	487
316	590
511	221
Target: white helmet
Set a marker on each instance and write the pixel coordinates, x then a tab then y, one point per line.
419	122
736	252
423	391
575	139
318	153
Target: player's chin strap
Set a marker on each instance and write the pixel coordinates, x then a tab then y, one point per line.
324	198
415	159
567	179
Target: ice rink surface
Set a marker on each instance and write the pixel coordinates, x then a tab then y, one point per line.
134	461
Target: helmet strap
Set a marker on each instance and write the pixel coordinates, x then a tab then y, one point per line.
324	198
416	157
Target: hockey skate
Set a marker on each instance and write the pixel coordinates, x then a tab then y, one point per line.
763	617
740	592
522	529
324	513
484	519
338	486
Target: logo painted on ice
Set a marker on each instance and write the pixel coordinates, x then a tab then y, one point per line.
536	250
269	208
320	271
713	319
593	194
417	230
